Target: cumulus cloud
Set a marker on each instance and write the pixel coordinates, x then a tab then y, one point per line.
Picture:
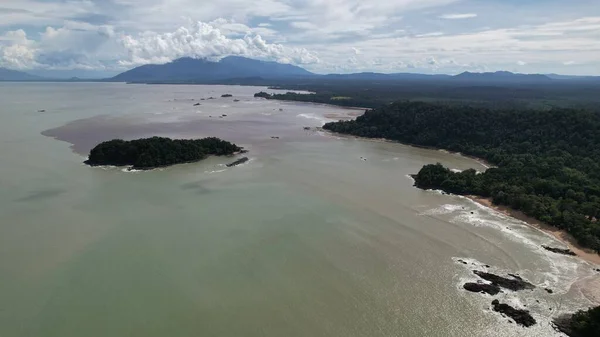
347	35
458	16
16	50
204	40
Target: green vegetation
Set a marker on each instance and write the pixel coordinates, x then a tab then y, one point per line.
584	323
155	152
326	98
373	93
548	161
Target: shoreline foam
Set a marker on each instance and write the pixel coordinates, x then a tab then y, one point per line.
588	286
561	235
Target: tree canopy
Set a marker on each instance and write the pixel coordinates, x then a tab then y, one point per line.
157	152
548	162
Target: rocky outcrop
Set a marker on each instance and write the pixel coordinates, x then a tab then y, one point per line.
520	316
563	251
488	288
238	162
515	283
226	95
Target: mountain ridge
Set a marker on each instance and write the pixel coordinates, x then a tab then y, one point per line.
188	69
15	75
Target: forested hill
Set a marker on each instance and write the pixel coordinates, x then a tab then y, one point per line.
548	162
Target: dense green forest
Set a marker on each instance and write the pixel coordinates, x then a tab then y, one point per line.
584	323
496	96
548	161
157	152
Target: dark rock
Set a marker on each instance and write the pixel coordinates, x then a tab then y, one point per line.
224	115
280	109
236	100
560	250
463	262
202	99
274	137
211	98
487	266
520	316
515	276
491	289
196	104
549	291
307	128
238	162
472	213
227	95
42	110
511	284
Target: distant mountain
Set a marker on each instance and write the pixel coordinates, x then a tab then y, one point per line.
14	75
501	76
200	70
370	76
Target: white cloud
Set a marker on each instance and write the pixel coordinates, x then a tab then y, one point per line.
432	34
203	40
458	16
378	35
16	50
303	25
37	12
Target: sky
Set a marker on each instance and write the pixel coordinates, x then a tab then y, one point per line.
96	38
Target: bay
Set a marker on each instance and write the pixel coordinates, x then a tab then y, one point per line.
317	235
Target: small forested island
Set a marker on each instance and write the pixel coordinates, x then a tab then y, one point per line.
149	153
547	161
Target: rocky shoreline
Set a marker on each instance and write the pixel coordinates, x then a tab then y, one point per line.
520	316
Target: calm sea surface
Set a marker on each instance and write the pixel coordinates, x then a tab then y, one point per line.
317	235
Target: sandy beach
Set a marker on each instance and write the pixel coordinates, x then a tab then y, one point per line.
583	253
589	286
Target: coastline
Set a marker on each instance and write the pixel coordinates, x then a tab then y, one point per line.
588	286
561	235
480	161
